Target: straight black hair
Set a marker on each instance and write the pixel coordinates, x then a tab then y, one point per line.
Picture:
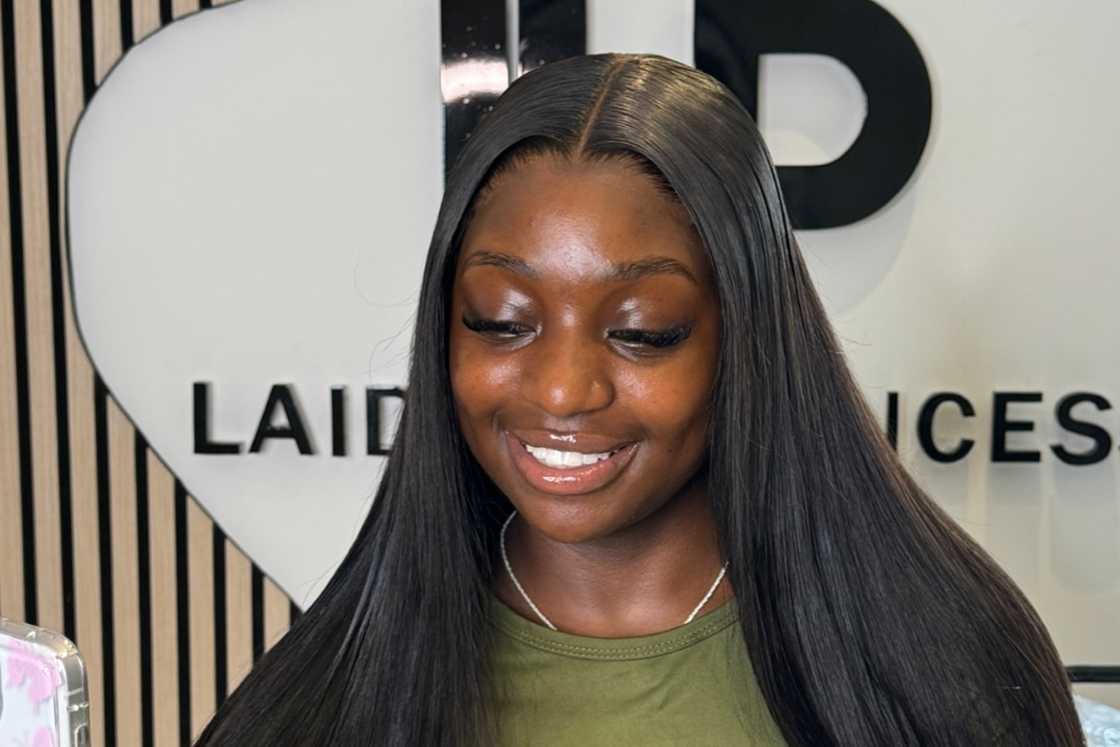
869	616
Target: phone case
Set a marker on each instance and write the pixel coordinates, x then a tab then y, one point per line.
44	699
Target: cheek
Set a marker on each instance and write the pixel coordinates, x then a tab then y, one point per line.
478	380
672	401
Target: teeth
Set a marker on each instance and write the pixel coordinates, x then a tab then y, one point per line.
565	459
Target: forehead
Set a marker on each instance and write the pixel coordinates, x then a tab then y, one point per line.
571	219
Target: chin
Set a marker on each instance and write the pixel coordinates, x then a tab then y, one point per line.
568	524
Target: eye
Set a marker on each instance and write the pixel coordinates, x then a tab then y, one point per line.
496	329
653	338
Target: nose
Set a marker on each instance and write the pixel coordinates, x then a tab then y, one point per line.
568	373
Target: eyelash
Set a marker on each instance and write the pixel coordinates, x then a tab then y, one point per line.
662	338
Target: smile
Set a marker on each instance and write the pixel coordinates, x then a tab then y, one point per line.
565	459
568	472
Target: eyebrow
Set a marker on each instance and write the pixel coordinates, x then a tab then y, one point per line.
620	271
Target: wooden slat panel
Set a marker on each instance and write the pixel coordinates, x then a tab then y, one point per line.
83	452
180	8
200	532
87	544
11	515
145	18
79	374
37	276
106	36
68	91
79	381
126	591
165	661
277	607
239	615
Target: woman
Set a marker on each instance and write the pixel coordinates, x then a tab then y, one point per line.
613	279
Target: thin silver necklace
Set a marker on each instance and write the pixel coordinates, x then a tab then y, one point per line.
505	559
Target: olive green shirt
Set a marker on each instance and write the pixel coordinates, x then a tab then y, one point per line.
691	685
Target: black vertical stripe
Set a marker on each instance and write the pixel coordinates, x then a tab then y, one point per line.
19	316
221	638
165	14
105	538
258	613
293	612
892	419
126	25
206	4
144	578
89	64
550	30
58	321
475	31
182	612
338	421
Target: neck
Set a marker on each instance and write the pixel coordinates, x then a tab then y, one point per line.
643	579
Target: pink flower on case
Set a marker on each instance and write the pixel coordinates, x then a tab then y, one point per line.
42	680
29	684
43	738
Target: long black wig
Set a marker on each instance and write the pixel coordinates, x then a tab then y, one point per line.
869	616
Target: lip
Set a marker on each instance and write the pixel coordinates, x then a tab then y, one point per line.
588	443
570	480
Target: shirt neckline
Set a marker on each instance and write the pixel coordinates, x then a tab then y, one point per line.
610	649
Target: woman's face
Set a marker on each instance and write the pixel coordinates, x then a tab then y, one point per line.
583	345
